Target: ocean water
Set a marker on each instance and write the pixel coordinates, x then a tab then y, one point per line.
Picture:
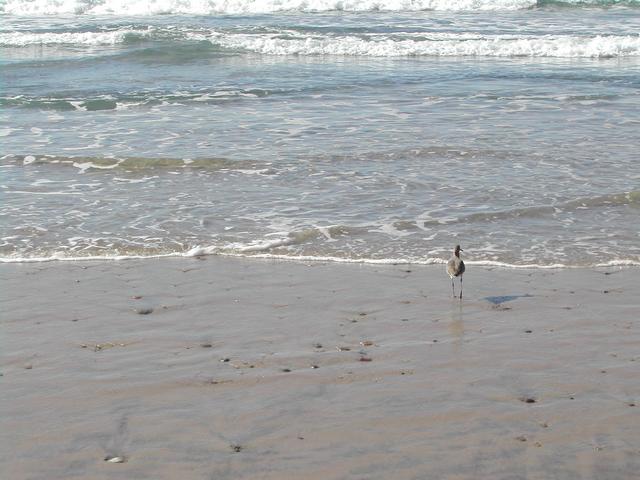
357	130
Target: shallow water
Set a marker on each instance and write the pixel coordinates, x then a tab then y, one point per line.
366	134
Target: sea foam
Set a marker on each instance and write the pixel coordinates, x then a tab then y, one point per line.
205	251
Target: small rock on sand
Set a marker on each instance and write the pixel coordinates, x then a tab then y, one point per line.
144	311
236	448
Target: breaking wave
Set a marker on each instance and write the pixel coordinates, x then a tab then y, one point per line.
231	7
450	45
288	42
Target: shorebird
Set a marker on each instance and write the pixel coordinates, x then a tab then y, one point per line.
455	268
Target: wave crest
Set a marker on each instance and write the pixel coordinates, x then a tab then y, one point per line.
132	164
631	198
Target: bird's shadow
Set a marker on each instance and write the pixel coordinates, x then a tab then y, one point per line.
497	300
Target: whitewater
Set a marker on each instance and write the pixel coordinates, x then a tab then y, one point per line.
354	131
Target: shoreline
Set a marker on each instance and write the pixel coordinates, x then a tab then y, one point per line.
622	263
224	367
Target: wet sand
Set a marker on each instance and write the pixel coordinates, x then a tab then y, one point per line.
228	368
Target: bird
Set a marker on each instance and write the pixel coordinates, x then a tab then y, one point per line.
455	268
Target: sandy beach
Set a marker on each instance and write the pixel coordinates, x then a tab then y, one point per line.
224	368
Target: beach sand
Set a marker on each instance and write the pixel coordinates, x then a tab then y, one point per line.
229	368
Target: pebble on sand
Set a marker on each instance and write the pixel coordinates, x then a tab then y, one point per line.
144	311
500	307
217	382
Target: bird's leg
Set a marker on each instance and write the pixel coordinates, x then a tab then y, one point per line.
453	287
460	287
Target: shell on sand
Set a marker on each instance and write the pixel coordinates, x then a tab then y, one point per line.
111	459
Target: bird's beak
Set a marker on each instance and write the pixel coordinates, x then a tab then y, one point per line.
461	250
